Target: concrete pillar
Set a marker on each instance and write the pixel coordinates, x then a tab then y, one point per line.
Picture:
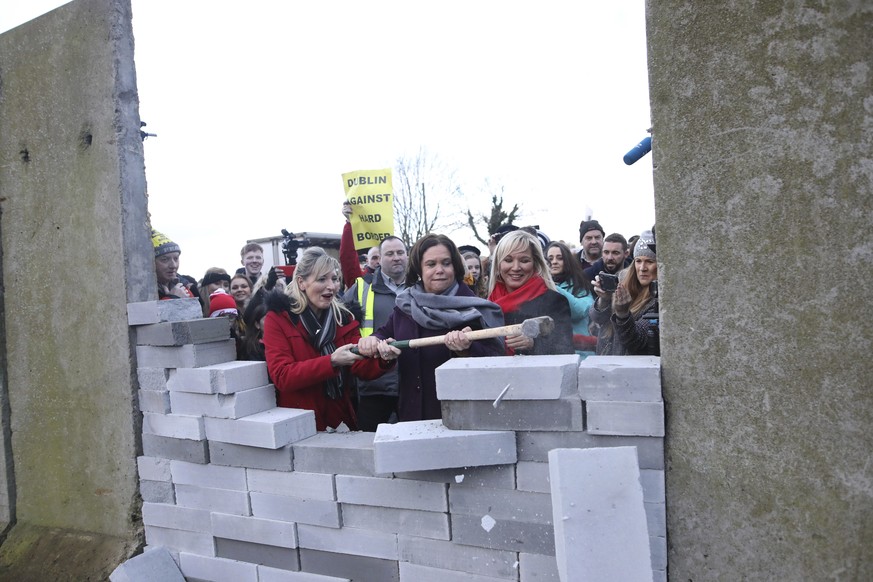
75	251
763	133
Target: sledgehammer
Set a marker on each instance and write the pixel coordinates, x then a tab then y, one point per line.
532	328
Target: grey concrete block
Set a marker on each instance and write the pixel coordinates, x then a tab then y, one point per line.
268	574
153	468
237	405
267	555
187	356
494	476
486	531
411	522
146	312
155	401
523	378
254	530
296	484
286	508
502	519
216	569
532	476
654	487
600	521
220	378
564	414
625	418
176	517
212	499
177	426
349	453
155	564
157	492
281	459
427	444
416	573
193	451
399	493
658	545
447	555
537	568
347	540
355	568
502	504
180	541
177	333
535	446
270	429
624	378
152	378
656	519
214	476
172	552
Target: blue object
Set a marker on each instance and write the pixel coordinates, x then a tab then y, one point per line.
638	151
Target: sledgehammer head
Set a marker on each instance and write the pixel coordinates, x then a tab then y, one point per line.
537	326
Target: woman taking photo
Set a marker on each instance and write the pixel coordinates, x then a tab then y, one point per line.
571	282
522	285
435	302
308	336
628	317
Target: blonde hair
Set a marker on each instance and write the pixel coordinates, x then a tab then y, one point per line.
314	261
516	241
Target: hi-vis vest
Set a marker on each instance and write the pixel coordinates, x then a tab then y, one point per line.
365	300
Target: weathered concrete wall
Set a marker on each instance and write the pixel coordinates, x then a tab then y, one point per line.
75	249
763	133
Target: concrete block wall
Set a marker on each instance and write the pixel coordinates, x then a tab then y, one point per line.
237	489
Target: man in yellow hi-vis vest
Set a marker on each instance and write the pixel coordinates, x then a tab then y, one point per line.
375	293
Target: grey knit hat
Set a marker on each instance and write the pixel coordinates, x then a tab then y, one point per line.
646	245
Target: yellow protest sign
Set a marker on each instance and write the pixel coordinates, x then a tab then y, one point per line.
372	198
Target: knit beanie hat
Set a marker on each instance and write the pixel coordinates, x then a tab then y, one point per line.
163	245
646	245
589	225
214	277
220	303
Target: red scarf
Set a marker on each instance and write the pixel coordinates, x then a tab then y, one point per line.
510	301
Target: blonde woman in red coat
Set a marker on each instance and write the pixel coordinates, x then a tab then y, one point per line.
308	336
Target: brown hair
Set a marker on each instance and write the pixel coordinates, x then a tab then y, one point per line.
428	241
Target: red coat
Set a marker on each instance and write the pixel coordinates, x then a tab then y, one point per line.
299	372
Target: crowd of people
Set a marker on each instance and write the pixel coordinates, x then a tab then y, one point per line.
358	339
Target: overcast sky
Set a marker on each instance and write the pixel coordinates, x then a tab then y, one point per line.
260	106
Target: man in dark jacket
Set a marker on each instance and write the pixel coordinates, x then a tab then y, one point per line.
613	258
375	294
591	236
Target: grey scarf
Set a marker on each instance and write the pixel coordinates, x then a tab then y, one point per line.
448	310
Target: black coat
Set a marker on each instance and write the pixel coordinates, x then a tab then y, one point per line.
555	305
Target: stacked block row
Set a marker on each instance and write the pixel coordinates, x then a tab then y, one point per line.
237	489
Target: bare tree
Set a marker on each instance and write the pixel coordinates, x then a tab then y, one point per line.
424	192
497	217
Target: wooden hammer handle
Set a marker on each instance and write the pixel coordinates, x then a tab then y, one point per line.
478	334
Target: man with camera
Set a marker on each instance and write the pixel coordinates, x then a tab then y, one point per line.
627	310
613	257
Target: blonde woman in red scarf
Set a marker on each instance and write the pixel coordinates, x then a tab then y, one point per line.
522	286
